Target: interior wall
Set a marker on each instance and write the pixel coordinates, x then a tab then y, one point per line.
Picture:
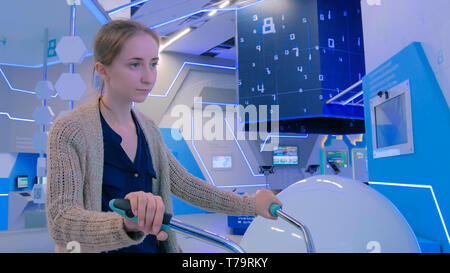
395	33
392	25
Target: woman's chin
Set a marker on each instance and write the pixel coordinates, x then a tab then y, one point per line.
139	99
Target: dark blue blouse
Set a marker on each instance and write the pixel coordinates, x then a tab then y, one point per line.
122	176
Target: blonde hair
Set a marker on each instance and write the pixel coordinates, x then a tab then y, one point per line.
112	36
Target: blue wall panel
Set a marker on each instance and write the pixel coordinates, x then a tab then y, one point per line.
183	154
417	183
25	165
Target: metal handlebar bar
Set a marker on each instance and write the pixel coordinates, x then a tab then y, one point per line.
276	210
123	207
205	235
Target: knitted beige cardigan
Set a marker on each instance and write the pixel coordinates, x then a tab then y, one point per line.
74	187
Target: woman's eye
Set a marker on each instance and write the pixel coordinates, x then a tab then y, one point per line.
154	64
134	65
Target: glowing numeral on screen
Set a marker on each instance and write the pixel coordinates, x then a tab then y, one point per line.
260	88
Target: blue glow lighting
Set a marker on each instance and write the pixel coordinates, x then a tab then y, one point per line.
201	11
353	97
182	17
96	12
17	119
207	171
12	88
198	154
216	103
278	136
19	90
300	117
240	149
129	5
423	187
30	67
181	69
90	54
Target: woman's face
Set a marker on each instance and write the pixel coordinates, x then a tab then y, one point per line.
132	74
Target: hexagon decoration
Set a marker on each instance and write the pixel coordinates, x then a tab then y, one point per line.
44	90
43	115
70	86
71	49
39	140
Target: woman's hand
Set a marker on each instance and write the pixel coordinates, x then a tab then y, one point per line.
265	198
149	209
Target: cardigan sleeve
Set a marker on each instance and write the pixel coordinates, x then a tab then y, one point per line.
201	194
67	218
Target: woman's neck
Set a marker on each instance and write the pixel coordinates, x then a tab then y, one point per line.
116	111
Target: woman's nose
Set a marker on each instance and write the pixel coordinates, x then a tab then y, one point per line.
148	76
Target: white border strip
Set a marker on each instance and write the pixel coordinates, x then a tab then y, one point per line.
423	187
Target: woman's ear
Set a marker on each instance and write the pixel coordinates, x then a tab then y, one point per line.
101	70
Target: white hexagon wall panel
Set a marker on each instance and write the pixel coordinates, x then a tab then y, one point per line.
71	49
44	90
70	86
39	141
43	115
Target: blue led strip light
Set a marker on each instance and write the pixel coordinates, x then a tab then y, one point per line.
201	11
30	67
90	54
181	69
423	187
207	171
198	154
129	5
240	149
16	119
12	88
215	103
278	136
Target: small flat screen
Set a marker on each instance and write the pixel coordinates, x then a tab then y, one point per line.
22	182
338	157
285	155
390	122
221	162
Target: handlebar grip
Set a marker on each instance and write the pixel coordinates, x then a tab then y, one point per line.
273	209
123	207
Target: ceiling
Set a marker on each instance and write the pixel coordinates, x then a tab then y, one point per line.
22	41
210	35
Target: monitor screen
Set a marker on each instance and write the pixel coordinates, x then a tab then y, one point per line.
285	155
22	182
390	122
221	162
338	157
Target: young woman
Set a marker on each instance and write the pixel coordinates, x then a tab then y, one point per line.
108	149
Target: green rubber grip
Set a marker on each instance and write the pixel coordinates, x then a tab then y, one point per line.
273	209
123	208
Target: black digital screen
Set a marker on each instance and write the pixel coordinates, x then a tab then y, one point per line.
298	54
